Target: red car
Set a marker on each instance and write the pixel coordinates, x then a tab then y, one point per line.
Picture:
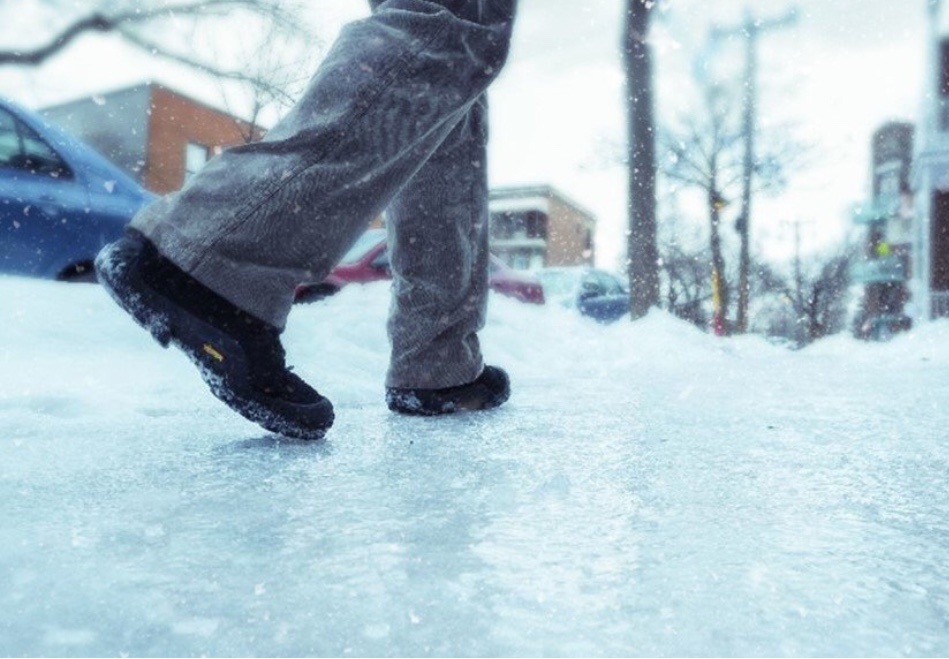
368	260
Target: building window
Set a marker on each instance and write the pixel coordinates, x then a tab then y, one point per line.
536	261
536	225
195	157
887	183
518	225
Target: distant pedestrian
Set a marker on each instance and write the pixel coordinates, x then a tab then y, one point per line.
394	118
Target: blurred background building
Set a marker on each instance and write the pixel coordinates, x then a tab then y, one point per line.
884	267
538	226
158	135
161	137
930	230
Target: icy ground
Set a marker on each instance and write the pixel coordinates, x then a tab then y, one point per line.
649	490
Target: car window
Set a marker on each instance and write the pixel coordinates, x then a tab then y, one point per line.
21	148
557	282
610	284
9	140
382	260
363	244
590	284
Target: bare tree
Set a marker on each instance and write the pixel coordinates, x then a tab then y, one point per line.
283	68
643	253
155	26
750	31
686	275
706	154
811	303
824	308
705	151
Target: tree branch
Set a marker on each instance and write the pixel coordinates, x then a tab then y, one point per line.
94	23
100	22
204	67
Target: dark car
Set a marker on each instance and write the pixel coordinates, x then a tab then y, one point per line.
594	293
368	260
60	201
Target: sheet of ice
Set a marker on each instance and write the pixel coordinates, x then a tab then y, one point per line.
648	490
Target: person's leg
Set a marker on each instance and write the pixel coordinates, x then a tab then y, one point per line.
233	245
438	242
438	237
262	218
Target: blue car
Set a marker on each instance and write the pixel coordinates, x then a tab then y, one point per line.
594	293
60	201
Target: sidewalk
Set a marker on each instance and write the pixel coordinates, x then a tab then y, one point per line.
649	490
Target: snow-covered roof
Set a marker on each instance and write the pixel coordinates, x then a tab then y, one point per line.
520	205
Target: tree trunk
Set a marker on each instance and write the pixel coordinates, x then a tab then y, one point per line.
643	253
719	285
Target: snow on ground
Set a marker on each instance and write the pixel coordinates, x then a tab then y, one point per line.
648	490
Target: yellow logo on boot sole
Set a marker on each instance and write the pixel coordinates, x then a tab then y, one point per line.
212	351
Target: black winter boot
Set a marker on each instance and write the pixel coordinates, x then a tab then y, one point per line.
239	356
491	389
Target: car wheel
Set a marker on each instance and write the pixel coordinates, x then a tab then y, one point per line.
307	294
83	272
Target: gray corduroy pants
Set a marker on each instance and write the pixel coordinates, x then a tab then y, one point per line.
394	117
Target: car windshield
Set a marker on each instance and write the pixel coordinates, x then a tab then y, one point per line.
365	242
558	282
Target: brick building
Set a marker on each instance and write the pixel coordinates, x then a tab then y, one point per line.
157	135
160	137
885	265
538	226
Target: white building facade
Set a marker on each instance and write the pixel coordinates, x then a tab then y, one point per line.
930	231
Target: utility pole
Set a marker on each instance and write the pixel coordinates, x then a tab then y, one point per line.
750	29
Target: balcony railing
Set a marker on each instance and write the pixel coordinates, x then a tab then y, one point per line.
880	210
518	242
885	269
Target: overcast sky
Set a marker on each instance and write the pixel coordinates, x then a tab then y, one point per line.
842	70
846	67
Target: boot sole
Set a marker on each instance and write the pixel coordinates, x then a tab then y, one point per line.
474	398
203	344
